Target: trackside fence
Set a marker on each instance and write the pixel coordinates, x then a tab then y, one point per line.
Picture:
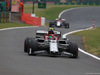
67	2
4	17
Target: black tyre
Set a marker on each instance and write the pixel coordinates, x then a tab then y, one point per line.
66	25
50	24
73	48
26	44
33	46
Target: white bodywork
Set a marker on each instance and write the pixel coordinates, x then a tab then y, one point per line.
58	23
30	51
46	32
63	19
53	46
42	31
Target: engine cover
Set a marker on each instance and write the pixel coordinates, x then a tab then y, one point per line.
53	46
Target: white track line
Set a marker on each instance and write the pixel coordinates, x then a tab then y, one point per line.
83	51
67	10
17	28
64	36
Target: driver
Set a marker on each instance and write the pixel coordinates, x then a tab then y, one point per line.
59	19
50	31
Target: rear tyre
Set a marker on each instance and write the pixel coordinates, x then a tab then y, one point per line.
73	48
33	46
50	24
26	43
66	25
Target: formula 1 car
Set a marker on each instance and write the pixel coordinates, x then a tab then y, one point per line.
50	44
59	23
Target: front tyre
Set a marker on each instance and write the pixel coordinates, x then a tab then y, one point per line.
33	46
26	43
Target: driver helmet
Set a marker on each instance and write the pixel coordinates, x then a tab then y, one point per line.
51	31
59	19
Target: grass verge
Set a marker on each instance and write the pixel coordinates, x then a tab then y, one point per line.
8	25
52	11
91	40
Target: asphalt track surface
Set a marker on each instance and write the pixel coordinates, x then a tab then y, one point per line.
13	60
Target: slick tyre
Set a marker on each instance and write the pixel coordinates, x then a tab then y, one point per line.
73	48
33	46
66	25
50	24
26	43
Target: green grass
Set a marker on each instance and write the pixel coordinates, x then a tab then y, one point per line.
52	11
8	25
91	40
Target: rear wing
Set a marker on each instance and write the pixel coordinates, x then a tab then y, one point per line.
61	19
43	32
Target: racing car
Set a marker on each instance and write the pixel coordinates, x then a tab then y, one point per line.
50	44
59	23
